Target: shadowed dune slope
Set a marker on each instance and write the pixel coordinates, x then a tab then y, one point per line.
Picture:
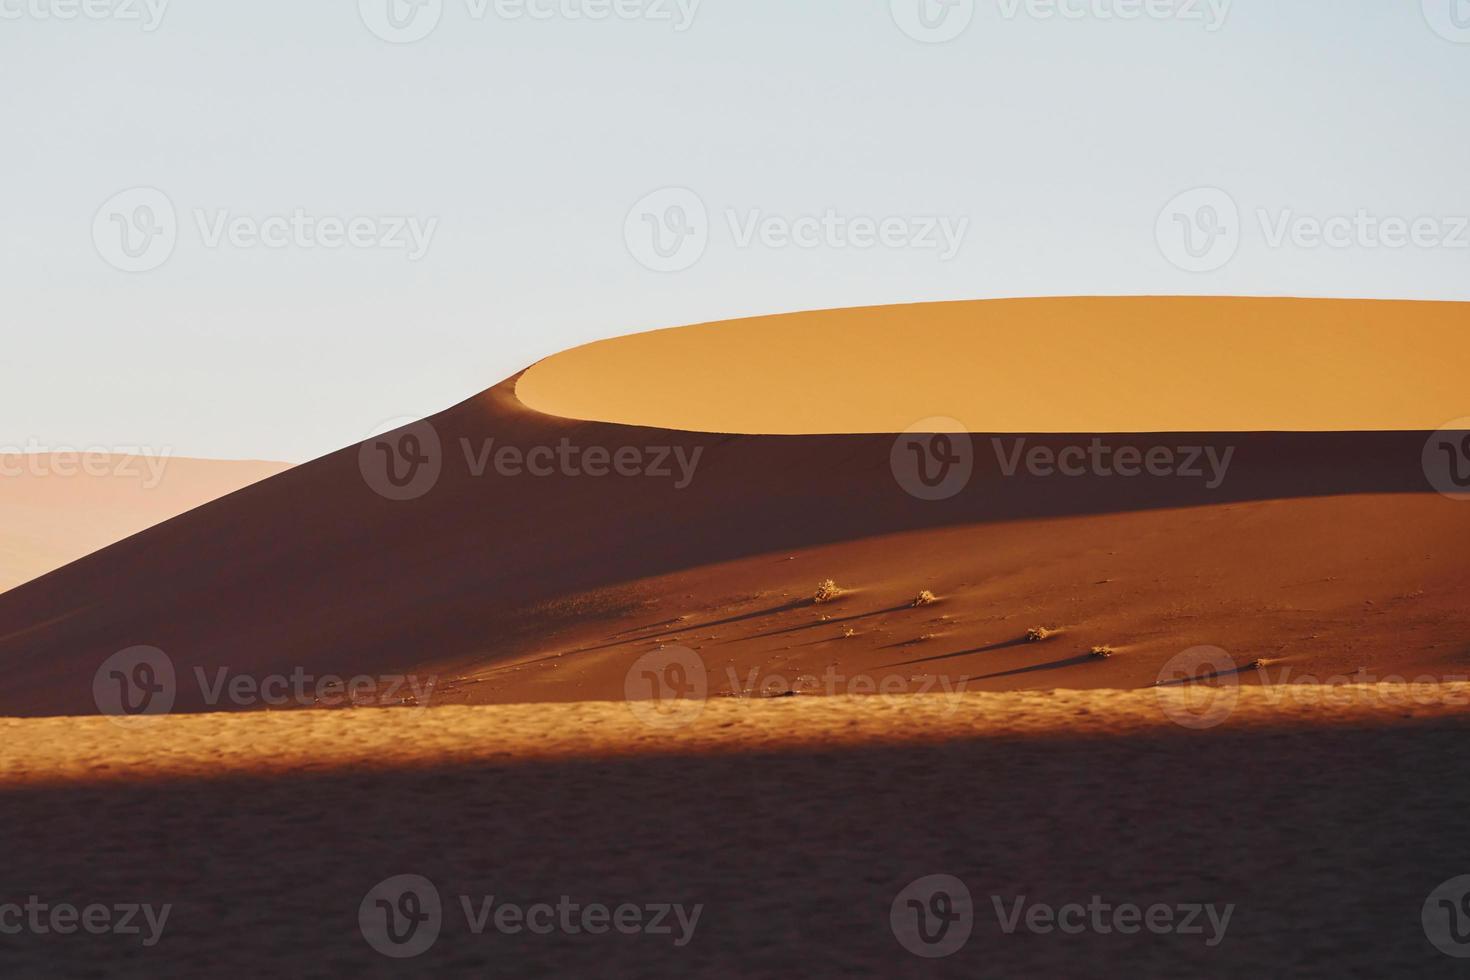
60	507
1321	551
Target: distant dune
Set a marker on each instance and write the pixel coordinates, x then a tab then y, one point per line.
61	507
497	547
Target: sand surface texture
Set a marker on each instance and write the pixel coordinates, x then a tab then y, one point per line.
795	823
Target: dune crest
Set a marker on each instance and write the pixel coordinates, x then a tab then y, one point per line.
1091	364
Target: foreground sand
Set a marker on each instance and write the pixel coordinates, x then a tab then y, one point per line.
1325	818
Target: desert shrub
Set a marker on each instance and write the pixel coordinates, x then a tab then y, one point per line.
826	592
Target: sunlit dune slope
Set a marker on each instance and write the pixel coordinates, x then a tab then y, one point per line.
1114	364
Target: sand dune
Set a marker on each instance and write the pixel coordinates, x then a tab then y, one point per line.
61	507
598	612
1320	552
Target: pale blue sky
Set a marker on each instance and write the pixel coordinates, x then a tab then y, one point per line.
1060	140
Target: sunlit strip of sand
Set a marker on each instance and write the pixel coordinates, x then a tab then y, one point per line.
50	751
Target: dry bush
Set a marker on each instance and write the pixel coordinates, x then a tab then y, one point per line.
826	592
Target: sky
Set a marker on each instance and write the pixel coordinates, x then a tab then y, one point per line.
262	230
